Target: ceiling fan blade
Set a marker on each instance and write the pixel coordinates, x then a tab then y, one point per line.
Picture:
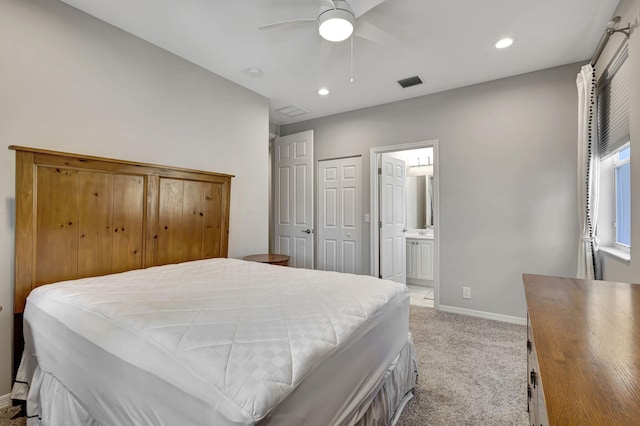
287	24
360	7
366	30
328	3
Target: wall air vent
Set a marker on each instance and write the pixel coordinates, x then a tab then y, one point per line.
411	81
291	111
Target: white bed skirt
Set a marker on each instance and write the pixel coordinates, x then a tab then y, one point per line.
50	403
395	390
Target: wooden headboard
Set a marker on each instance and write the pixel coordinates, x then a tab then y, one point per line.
81	216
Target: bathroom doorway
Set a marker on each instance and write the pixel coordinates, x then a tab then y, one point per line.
416	247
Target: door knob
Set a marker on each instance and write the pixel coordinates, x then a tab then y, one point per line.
307	231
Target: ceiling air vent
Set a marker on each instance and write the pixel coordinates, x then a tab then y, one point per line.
411	81
291	111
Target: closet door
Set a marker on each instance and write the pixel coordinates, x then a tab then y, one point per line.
339	215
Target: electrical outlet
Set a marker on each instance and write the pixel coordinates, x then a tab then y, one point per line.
466	292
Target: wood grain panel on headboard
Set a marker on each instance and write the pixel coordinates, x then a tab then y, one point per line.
81	216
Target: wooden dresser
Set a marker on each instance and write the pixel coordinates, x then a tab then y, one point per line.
583	341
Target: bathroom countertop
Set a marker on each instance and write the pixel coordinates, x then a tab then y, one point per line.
419	236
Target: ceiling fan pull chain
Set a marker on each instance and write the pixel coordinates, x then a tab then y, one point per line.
351	79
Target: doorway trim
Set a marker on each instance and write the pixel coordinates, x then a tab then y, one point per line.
375	217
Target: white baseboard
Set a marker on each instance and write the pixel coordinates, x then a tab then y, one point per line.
5	401
483	314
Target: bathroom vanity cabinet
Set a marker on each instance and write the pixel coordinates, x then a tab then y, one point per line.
419	260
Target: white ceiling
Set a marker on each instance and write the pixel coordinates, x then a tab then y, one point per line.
449	43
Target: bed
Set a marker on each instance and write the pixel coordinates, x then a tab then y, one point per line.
167	330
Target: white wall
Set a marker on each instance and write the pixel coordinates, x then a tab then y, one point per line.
69	82
507	178
616	270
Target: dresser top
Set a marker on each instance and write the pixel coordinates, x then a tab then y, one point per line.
587	338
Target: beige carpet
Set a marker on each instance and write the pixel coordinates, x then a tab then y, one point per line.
472	372
5	418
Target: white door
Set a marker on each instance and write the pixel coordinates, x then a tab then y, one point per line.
293	200
339	213
392	219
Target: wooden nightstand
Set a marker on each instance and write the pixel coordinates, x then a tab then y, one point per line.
272	259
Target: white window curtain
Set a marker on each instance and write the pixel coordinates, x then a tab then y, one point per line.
588	174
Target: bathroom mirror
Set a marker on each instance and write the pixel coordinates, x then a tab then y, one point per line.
419	204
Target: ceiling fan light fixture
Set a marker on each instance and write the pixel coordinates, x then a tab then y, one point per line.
336	24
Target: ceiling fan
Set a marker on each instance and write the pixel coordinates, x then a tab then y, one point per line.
337	21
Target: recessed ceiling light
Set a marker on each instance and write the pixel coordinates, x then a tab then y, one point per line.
323	92
505	42
254	72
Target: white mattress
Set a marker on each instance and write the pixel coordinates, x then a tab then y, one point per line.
219	341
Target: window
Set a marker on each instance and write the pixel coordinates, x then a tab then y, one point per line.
614	208
622	179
